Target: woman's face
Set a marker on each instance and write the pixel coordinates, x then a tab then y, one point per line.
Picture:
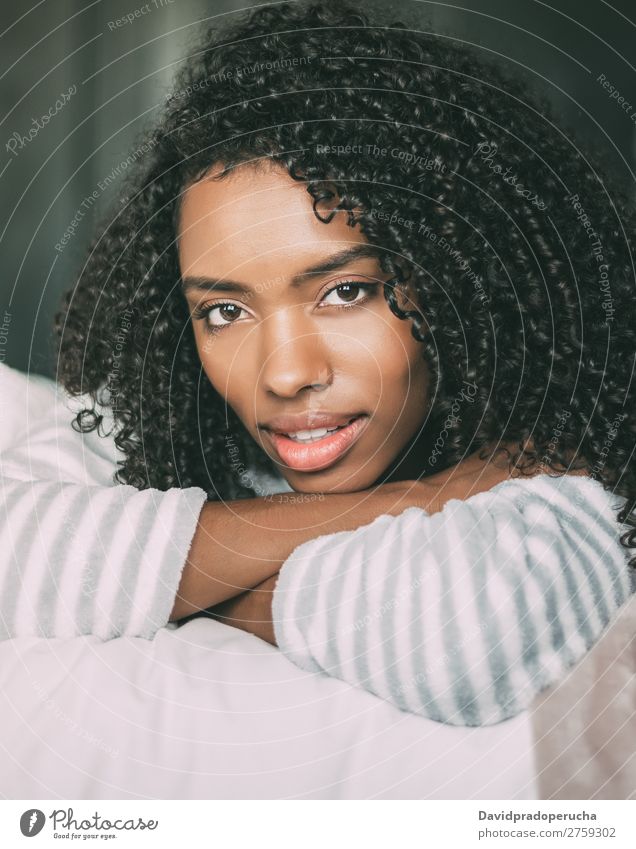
293	330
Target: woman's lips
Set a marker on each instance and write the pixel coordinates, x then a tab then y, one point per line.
314	456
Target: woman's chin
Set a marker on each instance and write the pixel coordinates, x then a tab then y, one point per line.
328	482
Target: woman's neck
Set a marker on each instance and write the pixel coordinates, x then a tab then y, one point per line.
410	464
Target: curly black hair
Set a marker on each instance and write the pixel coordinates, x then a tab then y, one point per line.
518	250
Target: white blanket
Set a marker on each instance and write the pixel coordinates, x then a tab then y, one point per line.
207	711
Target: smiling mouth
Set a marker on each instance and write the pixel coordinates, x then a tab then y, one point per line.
315	454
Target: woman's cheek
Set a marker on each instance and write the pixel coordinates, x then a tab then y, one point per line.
392	354
212	364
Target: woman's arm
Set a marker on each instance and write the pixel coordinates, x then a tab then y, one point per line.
252	611
82	559
462	616
86	558
242	545
239	544
84	555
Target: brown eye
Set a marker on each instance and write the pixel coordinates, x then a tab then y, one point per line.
344	293
347	294
217	316
348	291
228	312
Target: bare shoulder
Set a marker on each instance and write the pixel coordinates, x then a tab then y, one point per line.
483	470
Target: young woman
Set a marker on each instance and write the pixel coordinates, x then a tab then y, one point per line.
371	311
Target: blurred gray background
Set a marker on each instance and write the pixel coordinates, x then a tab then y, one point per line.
115	77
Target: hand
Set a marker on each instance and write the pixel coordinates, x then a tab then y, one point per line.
251	611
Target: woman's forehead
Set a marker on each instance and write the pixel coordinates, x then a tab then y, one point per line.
254	222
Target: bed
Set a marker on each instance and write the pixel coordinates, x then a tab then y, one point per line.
584	729
208	711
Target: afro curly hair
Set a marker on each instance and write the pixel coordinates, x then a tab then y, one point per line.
518	249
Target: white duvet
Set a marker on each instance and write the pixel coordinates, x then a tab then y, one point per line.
208	711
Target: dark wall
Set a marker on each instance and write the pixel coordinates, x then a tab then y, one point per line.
108	81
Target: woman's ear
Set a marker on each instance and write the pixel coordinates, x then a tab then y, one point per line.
406	297
403	296
404	288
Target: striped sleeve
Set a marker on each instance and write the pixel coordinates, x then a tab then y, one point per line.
89	559
82	554
465	615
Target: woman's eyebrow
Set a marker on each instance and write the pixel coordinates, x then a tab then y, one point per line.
332	263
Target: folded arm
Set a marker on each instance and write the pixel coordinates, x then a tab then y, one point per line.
81	559
86	558
463	616
82	554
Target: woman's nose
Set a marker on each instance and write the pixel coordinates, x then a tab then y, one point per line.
293	353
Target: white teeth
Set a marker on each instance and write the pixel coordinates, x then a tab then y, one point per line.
310	435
